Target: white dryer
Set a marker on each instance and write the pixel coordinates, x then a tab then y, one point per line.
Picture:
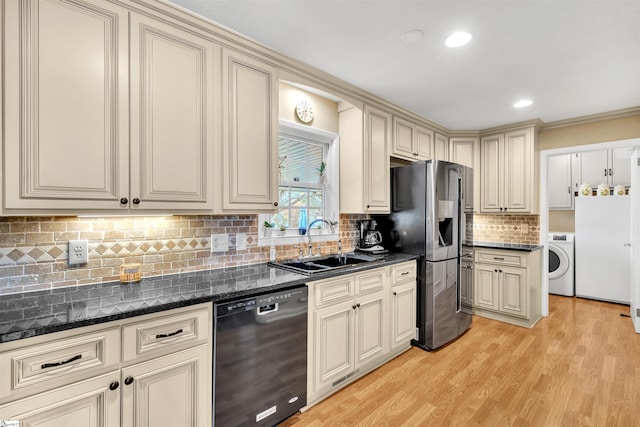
561	264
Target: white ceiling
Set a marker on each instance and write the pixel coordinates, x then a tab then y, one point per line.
571	57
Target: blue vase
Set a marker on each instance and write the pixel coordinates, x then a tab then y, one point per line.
302	224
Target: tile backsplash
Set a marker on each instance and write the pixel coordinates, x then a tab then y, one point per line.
507	228
34	250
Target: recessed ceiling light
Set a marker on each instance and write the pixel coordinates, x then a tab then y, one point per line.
411	37
458	39
523	103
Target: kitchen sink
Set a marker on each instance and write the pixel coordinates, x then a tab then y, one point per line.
312	265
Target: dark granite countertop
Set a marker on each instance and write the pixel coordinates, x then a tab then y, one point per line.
508	246
40	312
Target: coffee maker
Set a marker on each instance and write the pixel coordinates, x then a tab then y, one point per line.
370	238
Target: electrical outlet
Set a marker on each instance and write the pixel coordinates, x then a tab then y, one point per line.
219	242
241	242
78	252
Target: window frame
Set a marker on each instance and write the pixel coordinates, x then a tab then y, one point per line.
330	187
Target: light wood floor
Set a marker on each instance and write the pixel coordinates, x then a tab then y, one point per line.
578	367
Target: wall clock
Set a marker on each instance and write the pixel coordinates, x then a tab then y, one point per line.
304	111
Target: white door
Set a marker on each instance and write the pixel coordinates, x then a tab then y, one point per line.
619	163
634	275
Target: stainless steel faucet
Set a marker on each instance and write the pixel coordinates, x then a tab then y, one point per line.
309	232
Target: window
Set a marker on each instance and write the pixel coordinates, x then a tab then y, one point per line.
308	180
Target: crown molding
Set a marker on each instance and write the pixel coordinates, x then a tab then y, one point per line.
593	118
536	123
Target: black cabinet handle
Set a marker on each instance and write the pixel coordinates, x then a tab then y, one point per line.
610	172
404	274
500	271
136	201
495	270
124	201
505	209
128	380
275	204
368	206
64	362
179	331
500	209
395	293
114	385
358	305
353	306
605	171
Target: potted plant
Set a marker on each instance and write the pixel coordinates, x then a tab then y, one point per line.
283	230
268	227
320	170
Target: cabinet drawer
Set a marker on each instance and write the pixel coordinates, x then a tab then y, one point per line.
402	273
165	334
333	290
58	361
370	282
501	258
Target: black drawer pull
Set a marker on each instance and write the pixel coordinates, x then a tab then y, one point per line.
179	331
64	362
404	274
498	258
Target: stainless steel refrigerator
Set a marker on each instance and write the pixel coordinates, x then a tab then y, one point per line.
428	219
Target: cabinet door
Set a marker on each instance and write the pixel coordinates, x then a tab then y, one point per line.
66	105
89	403
173	79
403	314
517	164
594	167
173	390
485	287
403	139
250	134
371	327
441	147
334	343
491	178
377	136
559	183
424	143
466	284
466	151
620	166
576	173
514	293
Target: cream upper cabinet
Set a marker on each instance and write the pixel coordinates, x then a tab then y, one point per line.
508	172
410	141
365	138
73	143
174	118
377	134
440	147
250	134
66	105
466	151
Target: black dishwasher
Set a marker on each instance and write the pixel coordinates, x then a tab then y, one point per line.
260	359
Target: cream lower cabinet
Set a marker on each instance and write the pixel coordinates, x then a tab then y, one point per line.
403	304
356	324
99	117
91	403
365	138
153	370
509	172
168	391
507	286
250	134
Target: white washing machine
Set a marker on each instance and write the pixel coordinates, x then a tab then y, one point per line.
561	264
